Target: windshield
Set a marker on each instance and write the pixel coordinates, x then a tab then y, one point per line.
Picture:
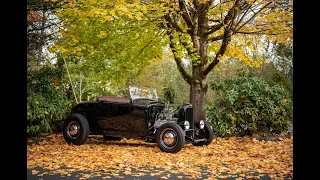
144	93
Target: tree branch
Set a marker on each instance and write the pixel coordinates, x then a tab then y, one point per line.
173	23
185	14
216	38
178	60
233	15
42	28
227	18
259	32
223	47
252	17
214	28
196	3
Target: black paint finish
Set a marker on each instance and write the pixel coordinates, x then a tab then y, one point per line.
130	119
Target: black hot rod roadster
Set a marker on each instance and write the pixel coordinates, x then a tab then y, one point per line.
142	116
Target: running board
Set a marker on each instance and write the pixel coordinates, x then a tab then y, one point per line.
199	140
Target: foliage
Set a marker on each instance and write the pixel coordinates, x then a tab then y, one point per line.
107	47
248	103
46	102
268	71
169	94
271	75
84	84
129	157
122	36
283	59
162	74
106	21
233	67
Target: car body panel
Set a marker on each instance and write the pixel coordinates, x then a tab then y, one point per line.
118	118
137	117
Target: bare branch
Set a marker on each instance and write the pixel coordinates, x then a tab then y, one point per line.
252	17
249	7
233	16
259	32
226	19
38	29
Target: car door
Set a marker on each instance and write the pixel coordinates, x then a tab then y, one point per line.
123	119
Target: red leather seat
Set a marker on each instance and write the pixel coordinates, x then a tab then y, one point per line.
113	99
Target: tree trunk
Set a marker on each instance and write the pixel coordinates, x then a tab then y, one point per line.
198	90
197	99
198	30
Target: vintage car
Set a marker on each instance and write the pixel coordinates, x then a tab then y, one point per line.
142	116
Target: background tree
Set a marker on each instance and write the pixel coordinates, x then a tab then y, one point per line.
164	74
42	27
115	48
203	32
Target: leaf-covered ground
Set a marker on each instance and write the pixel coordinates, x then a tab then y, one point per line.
223	158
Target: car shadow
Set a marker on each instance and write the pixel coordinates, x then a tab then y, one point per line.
120	143
131	144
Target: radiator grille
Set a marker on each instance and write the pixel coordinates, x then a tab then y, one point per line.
189	117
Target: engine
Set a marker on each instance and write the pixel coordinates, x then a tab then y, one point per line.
164	116
160	115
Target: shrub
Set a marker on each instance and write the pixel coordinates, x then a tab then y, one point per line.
246	104
169	95
46	102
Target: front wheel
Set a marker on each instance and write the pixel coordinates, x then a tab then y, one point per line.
76	129
206	132
170	137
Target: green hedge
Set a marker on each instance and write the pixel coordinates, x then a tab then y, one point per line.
246	104
47	104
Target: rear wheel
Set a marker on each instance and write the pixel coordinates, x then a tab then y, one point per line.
170	137
76	129
206	132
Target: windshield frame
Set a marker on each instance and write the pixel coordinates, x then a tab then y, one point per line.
143	93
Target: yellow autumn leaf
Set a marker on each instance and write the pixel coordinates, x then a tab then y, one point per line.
138	18
115	159
102	34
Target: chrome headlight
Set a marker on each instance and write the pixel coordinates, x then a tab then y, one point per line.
201	123
186	125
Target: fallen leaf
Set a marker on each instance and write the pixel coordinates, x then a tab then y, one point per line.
112	158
